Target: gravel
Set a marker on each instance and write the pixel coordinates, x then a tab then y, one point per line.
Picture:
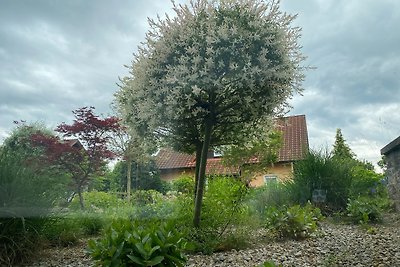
334	245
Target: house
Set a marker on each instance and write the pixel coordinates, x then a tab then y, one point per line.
392	156
172	164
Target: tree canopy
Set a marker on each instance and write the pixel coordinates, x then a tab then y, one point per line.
213	74
84	155
341	149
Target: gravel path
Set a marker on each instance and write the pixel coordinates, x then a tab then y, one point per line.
336	245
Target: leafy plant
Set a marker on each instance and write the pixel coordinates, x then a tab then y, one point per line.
127	243
367	183
363	210
185	184
293	222
269	264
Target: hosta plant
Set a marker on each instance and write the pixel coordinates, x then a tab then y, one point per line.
127	243
294	222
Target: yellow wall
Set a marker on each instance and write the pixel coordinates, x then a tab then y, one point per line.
284	172
170	175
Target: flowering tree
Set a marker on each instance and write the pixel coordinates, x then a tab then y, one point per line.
84	156
212	75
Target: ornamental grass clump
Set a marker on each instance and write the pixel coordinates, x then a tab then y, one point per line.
127	243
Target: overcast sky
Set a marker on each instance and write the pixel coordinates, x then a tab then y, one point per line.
57	56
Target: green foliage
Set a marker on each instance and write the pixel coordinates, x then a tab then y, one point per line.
144	177
145	197
150	205
127	243
363	210
67	229
264	148
19	239
319	170
294	222
269	264
62	231
366	182
184	184
26	189
96	201
225	222
27	194
341	150
223	202
271	194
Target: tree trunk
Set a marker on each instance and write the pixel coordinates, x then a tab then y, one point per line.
202	175
137	175
196	171
128	179
80	197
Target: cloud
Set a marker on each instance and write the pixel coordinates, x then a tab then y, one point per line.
57	56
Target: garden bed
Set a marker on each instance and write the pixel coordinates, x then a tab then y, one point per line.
335	245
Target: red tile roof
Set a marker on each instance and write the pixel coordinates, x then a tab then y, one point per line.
294	146
170	159
295	137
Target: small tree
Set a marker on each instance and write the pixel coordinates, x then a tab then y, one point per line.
131	147
341	149
211	75
82	157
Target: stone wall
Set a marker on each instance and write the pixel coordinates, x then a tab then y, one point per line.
393	172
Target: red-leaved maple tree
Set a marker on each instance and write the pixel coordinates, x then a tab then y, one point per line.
82	149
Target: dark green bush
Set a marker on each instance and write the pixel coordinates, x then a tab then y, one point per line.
320	170
127	243
294	222
185	184
363	210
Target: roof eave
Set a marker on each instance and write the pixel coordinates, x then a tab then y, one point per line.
391	146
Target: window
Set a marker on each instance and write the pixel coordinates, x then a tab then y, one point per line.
270	178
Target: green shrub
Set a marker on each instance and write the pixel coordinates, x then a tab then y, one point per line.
363	210
294	222
225	221
127	243
27	194
185	184
145	197
367	183
320	170
271	194
96	201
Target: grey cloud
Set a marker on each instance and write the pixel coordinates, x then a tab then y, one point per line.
56	56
